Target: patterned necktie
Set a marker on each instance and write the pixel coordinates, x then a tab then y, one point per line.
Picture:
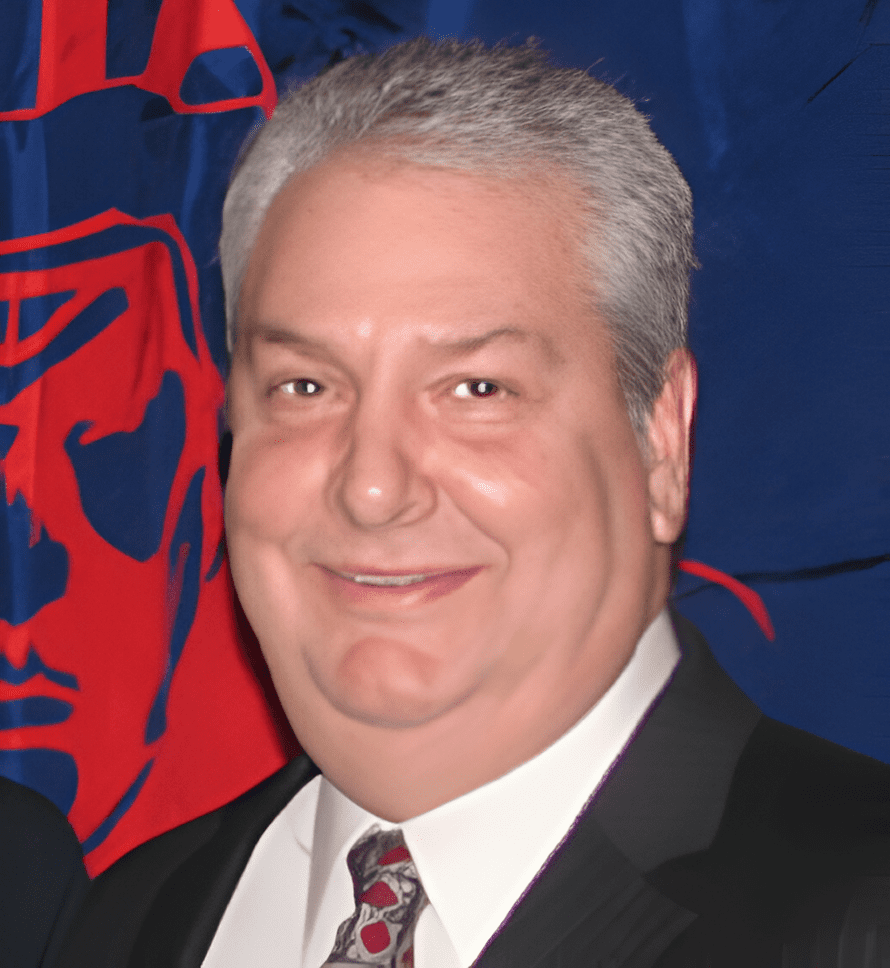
388	900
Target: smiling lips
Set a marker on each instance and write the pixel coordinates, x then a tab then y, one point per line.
385	581
399	588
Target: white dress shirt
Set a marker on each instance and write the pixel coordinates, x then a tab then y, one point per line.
476	855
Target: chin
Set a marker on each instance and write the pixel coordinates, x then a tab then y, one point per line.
389	683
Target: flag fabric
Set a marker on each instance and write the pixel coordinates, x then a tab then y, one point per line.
126	693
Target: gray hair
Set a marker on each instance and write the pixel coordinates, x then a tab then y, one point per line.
499	111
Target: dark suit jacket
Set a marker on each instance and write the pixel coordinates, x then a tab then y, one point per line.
42	877
721	839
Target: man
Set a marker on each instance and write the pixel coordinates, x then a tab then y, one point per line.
460	401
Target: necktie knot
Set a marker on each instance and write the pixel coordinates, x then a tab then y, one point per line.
388	898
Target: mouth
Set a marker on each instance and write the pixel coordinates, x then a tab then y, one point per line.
400	588
387	581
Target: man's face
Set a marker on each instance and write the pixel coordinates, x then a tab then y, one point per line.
438	516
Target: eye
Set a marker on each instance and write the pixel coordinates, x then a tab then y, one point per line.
480	389
301	388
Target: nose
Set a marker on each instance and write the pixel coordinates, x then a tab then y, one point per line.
380	482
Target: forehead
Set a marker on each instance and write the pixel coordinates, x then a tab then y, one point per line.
441	251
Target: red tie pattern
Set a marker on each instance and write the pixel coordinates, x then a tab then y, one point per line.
388	900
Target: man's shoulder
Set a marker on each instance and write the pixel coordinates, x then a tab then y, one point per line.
801	793
816	798
799	869
42	877
31	823
179	879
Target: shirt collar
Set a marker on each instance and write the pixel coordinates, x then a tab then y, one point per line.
476	855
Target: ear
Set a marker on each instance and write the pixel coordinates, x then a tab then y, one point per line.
668	436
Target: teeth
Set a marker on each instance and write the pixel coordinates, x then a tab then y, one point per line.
386	580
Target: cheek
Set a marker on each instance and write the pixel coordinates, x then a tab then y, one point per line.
274	485
536	489
569	514
274	498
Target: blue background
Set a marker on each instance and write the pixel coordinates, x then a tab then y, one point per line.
778	112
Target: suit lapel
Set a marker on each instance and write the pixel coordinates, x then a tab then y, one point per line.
589	906
593	904
182	922
666	795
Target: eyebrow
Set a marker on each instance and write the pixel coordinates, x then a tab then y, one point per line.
280	336
285	337
472	343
